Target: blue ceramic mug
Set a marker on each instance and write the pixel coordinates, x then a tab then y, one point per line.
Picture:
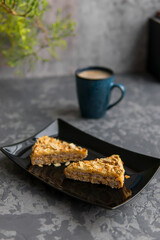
94	86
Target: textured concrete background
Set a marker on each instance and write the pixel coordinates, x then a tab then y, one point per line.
110	33
30	210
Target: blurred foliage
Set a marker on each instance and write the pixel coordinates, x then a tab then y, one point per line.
23	33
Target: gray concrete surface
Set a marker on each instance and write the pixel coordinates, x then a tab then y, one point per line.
108	33
29	210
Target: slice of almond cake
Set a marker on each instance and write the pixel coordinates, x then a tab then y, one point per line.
48	150
108	171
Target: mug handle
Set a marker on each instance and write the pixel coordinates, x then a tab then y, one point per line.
122	89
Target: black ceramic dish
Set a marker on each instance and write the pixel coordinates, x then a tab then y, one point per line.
141	168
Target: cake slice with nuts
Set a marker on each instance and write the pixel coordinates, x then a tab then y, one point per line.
108	171
48	150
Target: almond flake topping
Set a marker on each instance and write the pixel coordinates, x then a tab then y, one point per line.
57	164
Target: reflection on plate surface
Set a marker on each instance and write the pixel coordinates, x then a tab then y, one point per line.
81	190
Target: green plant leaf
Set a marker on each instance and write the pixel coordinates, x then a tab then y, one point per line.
23	33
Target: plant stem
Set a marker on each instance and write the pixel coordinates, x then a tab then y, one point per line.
44	30
12	11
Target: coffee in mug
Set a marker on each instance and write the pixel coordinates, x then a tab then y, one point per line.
94	74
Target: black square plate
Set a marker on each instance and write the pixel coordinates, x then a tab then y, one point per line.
139	167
